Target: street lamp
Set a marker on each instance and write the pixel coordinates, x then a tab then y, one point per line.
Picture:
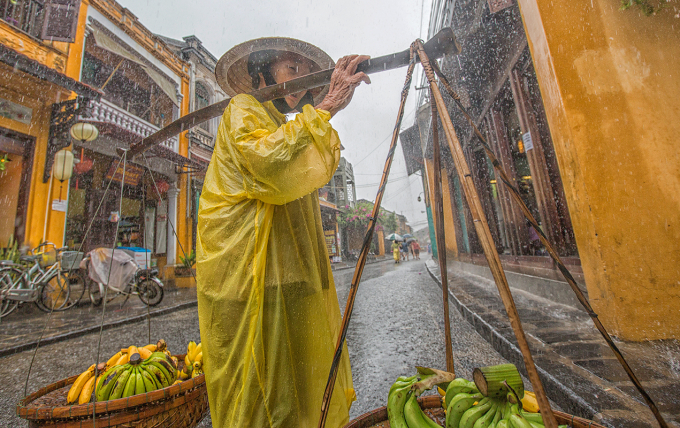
419	198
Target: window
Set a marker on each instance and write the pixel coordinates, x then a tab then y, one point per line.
202	100
27	15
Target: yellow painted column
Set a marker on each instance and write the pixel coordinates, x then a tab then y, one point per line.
75	49
183	222
449	225
609	81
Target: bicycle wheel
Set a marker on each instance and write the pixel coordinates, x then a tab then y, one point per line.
8	276
95	293
150	292
54	294
76	287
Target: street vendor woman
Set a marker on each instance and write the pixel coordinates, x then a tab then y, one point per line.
268	310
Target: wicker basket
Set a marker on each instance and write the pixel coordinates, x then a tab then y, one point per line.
177	406
432	405
71	259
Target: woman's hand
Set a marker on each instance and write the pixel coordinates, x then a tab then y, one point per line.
344	81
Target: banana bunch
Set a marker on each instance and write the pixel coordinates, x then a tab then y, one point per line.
82	388
193	362
403	409
137	376
466	407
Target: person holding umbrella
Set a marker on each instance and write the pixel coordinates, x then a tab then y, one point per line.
268	309
395	251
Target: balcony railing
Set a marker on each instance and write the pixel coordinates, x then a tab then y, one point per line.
106	112
27	15
197	135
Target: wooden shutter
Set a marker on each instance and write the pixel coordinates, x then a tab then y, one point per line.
61	20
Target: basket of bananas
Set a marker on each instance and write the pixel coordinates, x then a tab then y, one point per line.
138	386
496	399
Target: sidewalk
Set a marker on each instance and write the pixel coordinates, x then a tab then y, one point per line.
352	265
21	330
577	368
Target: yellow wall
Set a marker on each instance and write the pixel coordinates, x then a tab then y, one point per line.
609	81
449	228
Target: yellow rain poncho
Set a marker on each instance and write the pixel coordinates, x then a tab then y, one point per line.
268	309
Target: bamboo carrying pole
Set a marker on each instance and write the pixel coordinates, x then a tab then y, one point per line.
441	238
358	271
485	238
551	251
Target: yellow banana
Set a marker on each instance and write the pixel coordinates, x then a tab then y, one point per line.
196	352
199	359
112	361
86	393
132	350
78	385
187	360
177	381
190	349
196	372
529	402
161	346
124	358
144	353
151	347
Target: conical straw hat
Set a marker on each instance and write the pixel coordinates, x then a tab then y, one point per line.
232	69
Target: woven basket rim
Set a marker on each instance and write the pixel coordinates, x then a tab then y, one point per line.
101	407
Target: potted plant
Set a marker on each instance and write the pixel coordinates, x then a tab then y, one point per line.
184	274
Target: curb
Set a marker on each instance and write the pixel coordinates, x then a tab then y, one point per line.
353	266
567	398
112	324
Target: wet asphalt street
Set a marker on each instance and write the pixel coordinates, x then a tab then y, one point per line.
397	324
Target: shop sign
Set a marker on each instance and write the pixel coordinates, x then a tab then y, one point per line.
528	143
59	205
15	111
132	173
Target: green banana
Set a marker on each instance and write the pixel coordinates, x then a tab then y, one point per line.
503	423
413	413
107	382
536	425
401	384
407	379
149	384
166	368
140	387
499	414
532	417
472	414
158	375
517	421
121	383
458	405
395	407
131	384
457	386
157	383
488	417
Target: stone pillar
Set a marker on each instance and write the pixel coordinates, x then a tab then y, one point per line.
173	191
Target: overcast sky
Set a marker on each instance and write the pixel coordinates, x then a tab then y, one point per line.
374	28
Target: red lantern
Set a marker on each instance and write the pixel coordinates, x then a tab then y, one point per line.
162	186
84	165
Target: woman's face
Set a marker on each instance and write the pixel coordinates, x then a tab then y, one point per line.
286	68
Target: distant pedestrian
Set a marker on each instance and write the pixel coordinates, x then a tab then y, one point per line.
416	250
395	251
404	251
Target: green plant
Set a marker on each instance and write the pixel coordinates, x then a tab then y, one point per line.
11	252
189	261
648	7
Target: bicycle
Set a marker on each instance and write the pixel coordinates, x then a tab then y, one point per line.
45	283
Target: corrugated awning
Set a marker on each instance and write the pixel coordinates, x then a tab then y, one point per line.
104	41
410	144
29	66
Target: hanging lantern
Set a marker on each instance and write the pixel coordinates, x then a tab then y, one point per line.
83	131
84	165
63	165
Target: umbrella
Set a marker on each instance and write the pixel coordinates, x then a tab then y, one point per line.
409	240
407	236
394	237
